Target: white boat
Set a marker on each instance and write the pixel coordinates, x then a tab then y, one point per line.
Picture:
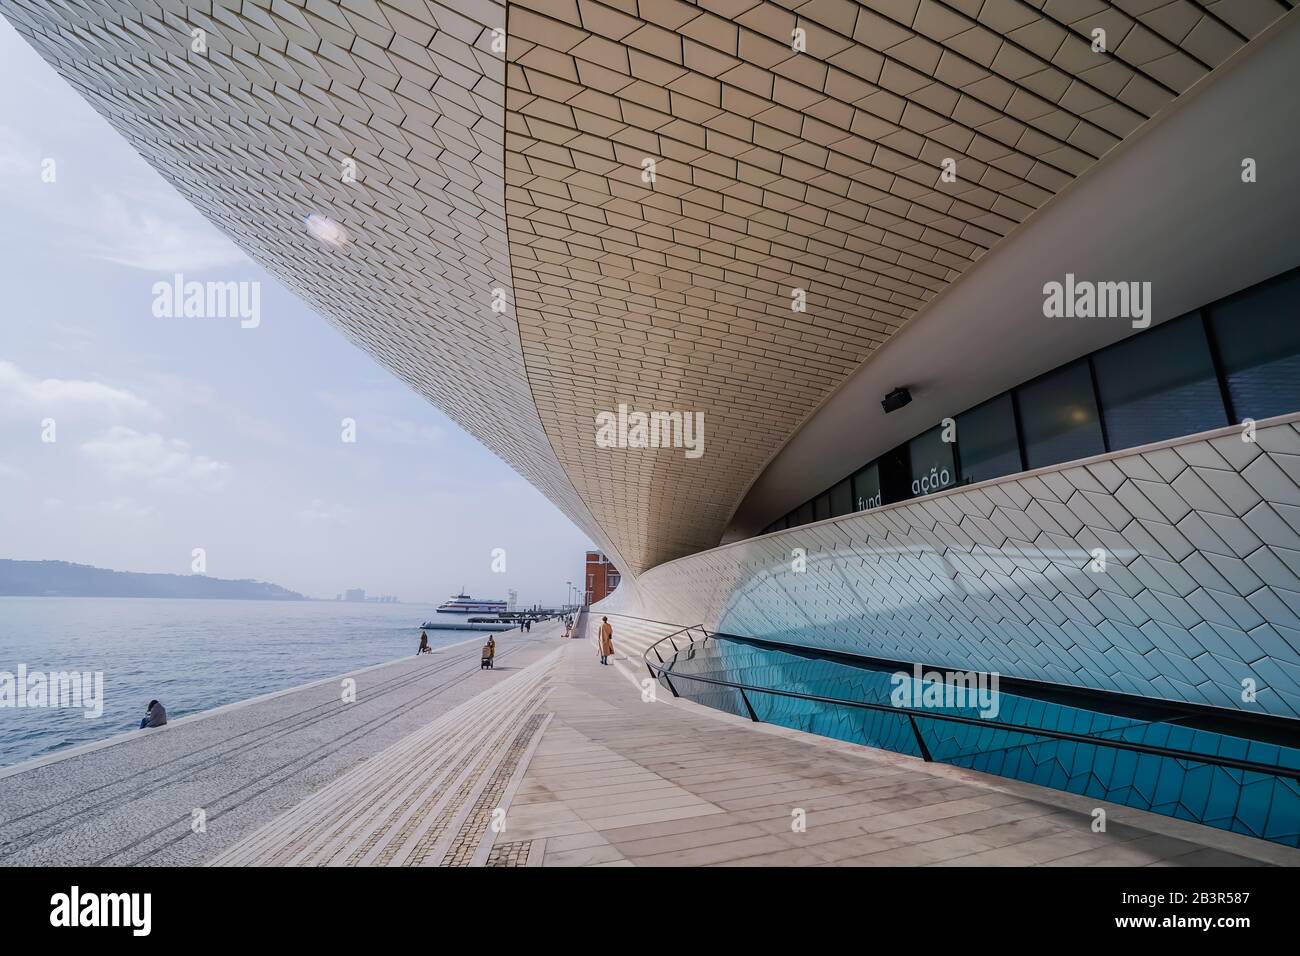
464	604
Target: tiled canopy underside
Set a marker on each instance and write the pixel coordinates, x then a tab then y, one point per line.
775	170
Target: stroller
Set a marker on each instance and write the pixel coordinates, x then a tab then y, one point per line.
489	652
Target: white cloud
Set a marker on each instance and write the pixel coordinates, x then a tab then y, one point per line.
23	395
19	160
160	463
321	513
158	233
66	337
142	225
125	508
398	431
170	390
258	429
368	406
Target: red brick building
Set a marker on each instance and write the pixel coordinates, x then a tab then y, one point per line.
601	577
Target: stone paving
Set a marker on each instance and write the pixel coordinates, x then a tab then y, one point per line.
133	801
569	764
437	798
554	760
619	781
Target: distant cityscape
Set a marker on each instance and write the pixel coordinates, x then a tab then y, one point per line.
65	579
358	596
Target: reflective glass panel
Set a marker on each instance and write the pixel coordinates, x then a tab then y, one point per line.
866	488
1257	334
1058	416
1159	384
931	462
842	498
987	442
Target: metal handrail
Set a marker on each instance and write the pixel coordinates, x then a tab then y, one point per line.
664	670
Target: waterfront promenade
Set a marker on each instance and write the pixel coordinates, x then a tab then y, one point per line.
549	760
569	764
132	800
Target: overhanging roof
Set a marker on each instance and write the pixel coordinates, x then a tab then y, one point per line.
774	170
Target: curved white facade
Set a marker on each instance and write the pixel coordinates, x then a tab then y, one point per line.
645	189
1198	598
564	207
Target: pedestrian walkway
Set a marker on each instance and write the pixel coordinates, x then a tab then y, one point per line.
182	794
433	799
571	763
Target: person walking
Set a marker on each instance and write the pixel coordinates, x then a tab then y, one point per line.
424	647
606	640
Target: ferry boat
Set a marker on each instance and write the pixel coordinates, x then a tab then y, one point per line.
464	604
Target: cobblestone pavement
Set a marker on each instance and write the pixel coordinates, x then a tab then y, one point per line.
439	797
134	802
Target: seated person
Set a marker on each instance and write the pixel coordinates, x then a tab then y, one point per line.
154	716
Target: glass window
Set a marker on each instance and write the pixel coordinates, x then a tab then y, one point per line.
1058	416
1257	335
931	462
987	442
842	499
805	513
822	507
1158	384
866	488
895	475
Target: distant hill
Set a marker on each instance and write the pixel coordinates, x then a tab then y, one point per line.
62	579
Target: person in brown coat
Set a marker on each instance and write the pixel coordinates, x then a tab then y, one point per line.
606	640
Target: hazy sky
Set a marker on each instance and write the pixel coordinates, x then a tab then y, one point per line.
176	434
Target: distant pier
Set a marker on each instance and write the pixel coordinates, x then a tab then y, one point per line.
500	621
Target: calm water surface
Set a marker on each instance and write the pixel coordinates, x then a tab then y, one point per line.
192	655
